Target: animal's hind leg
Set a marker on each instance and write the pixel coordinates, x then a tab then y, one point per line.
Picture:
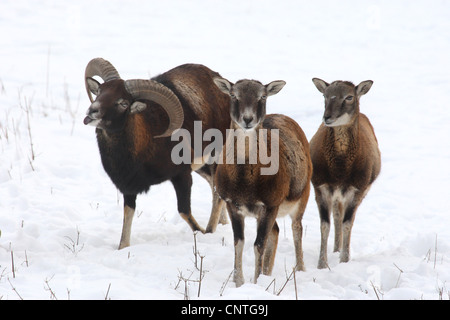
128	213
297	230
183	184
223	219
218	214
353	198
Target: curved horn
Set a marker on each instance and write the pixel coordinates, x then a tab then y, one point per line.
157	92
102	68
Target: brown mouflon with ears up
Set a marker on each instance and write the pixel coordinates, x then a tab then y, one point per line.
346	161
249	189
134	120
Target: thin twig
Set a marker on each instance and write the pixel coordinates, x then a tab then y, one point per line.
273	281
427	255
201	276
14	289
2	87
287	280
75	247
12	264
195	250
186	280
27	112
222	289
295	285
26	258
52	294
398	280
107	292
435	252
375	290
3	273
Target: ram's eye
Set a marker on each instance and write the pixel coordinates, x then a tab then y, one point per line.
263	97
123	104
349	98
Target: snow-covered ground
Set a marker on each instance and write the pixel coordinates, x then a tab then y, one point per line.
61	217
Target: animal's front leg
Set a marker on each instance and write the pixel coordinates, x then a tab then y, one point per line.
347	225
323	203
265	224
238	224
128	213
183	184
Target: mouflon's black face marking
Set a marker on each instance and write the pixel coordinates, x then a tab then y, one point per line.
112	104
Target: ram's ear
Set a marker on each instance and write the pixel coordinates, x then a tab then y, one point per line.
320	84
137	107
93	85
363	87
274	87
224	85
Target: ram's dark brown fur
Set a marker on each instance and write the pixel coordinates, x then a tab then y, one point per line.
131	155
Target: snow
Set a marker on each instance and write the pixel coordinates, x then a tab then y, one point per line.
61	217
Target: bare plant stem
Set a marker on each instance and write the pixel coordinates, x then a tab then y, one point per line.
48	288
222	289
287	280
271	282
375	290
185	280
3	273
15	290
435	252
295	285
2	87
195	250
75	247
26	259
201	276
12	264
27	109
107	292
398	280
